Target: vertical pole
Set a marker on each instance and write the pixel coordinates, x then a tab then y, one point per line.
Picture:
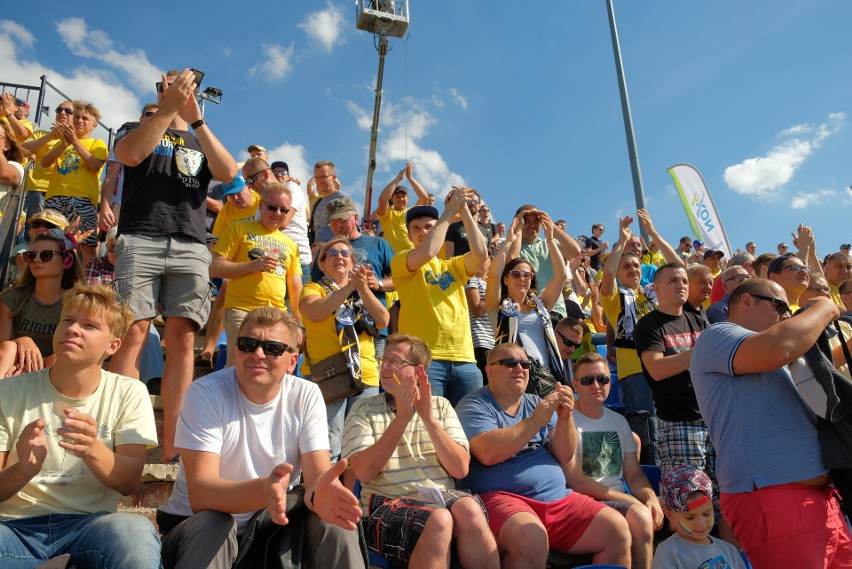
638	189
40	103
374	129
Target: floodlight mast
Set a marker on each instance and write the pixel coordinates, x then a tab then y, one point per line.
382	18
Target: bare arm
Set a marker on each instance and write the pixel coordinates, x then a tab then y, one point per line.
567	245
553	291
31	448
220	267
663	367
209	491
453	456
474	302
474	258
422	196
382	204
430	246
294	289
667	250
371	461
564	438
614	259
33	146
8	173
499	445
492	290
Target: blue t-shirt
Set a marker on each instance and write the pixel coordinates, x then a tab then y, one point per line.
533	472
763	432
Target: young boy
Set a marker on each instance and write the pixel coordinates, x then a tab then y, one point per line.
686	496
72	439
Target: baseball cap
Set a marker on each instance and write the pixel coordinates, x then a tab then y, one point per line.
51	216
698	243
340	208
22	103
421	211
711	252
400	190
676	485
235	186
256	147
280	164
775	264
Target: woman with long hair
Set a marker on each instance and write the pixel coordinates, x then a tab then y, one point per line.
523	313
29	311
342	315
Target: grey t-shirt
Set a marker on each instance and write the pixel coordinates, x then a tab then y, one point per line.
32	319
677	553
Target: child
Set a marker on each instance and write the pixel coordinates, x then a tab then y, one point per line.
686	496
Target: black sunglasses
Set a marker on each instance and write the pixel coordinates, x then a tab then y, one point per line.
255	176
590	379
275	208
518	274
567	342
511	362
781	307
66	110
39	224
46	256
270	348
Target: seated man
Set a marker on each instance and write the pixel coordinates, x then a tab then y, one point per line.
606	459
520	444
405	439
246	433
72	440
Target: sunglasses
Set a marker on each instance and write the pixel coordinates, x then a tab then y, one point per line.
255	176
590	379
567	342
511	363
66	110
275	208
42	225
148	113
270	348
781	307
738	278
280	172
345	253
518	274
46	256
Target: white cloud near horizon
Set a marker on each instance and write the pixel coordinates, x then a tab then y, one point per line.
277	64
326	26
293	155
765	174
97	45
803	200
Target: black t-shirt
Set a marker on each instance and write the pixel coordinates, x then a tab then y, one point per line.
457	235
595	260
674	397
166	194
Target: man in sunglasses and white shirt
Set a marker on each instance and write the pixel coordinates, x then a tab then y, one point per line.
246	434
260	263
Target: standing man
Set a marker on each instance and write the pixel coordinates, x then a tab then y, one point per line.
161	244
325	177
392	215
595	247
296	222
751	248
246	435
783	512
684	248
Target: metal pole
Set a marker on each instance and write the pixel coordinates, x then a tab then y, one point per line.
40	102
374	129
638	190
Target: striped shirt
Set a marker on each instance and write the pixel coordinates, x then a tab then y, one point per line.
480	326
415	460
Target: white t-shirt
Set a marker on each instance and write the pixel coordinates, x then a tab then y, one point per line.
297	229
6	189
250	439
120	406
603	443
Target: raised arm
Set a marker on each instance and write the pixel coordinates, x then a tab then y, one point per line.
474	258
492	291
429	247
422	196
553	291
382	204
453	456
667	250
567	245
614	259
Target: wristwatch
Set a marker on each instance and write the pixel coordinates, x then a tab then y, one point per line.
198	123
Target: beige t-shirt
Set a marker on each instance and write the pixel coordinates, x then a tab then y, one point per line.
122	410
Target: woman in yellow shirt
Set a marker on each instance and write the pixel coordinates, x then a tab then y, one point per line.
341	314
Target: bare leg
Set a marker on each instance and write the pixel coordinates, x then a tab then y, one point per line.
177	375
641	526
215	323
475	543
126	360
433	548
607	538
523	542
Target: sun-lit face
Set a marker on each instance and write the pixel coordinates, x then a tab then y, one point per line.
324	177
504	379
273	207
53	267
672	286
338	262
629	271
694	525
84	123
259	375
83	337
344	226
419	228
518	281
838	269
568	339
793	276
400	200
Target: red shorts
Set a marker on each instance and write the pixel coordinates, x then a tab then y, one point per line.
789	525
564	520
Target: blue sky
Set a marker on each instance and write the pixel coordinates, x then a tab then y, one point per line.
520	103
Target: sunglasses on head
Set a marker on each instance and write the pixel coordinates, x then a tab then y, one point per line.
567	342
275	208
46	256
516	274
38	224
590	379
270	348
511	362
345	253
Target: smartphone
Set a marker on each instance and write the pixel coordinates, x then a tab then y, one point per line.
199	75
159	86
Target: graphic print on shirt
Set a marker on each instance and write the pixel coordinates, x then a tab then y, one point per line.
444	280
602	455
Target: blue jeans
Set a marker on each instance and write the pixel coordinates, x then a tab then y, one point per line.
337	411
641	414
306	273
95	541
453	380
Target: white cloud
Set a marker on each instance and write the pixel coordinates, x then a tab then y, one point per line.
765	174
116	103
277	65
806	199
326	26
458	98
293	155
17	32
97	45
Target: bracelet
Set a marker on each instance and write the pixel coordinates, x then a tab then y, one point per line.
198	123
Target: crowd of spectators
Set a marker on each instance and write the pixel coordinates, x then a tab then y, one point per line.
441	380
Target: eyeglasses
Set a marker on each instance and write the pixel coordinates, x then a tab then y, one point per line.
280	172
323	176
798	269
590	379
37	224
46	256
511	363
518	274
567	342
738	278
148	113
270	348
397	362
66	110
255	176
345	253
781	307
275	208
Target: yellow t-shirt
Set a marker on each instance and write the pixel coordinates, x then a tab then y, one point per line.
231	213
38	177
835	296
70	177
260	288
323	341
395	230
627	360
433	306
122	410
